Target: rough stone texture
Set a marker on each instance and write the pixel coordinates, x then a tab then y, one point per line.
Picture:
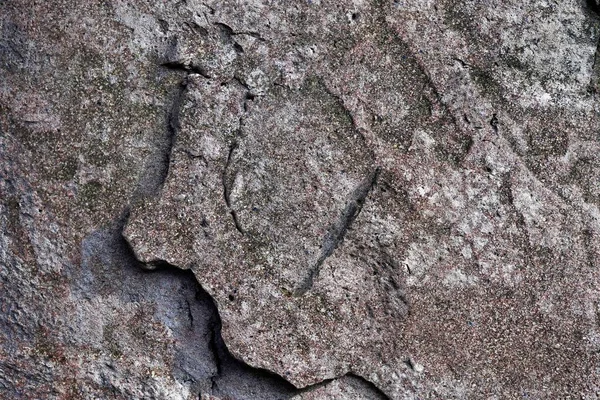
381	198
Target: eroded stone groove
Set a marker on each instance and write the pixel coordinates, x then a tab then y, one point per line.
336	233
173	127
228	176
228	182
157	168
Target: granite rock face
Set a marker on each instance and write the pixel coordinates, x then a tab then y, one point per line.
335	199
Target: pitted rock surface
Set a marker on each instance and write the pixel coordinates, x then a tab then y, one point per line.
419	164
376	198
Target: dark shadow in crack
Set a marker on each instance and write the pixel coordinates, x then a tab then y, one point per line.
159	162
109	269
237	380
593	6
337	232
234	379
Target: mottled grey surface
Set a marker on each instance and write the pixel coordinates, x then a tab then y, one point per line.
367	199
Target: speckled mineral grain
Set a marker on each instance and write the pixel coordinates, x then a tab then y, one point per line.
381	199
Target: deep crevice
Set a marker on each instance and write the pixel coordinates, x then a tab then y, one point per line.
337	232
189	312
187	69
494	123
233	375
173	126
158	166
226	181
593	6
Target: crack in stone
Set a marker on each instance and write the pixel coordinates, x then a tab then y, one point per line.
226	364
243	84
228	36
158	167
229	369
186	68
173	127
227	184
337	232
494	123
189	313
228	179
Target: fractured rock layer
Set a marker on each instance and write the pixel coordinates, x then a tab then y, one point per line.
382	198
473	233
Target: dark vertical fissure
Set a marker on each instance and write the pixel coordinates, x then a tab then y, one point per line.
337	232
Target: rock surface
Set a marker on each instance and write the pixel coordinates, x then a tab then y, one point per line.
382	199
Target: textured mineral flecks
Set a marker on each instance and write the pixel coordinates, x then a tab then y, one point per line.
401	196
